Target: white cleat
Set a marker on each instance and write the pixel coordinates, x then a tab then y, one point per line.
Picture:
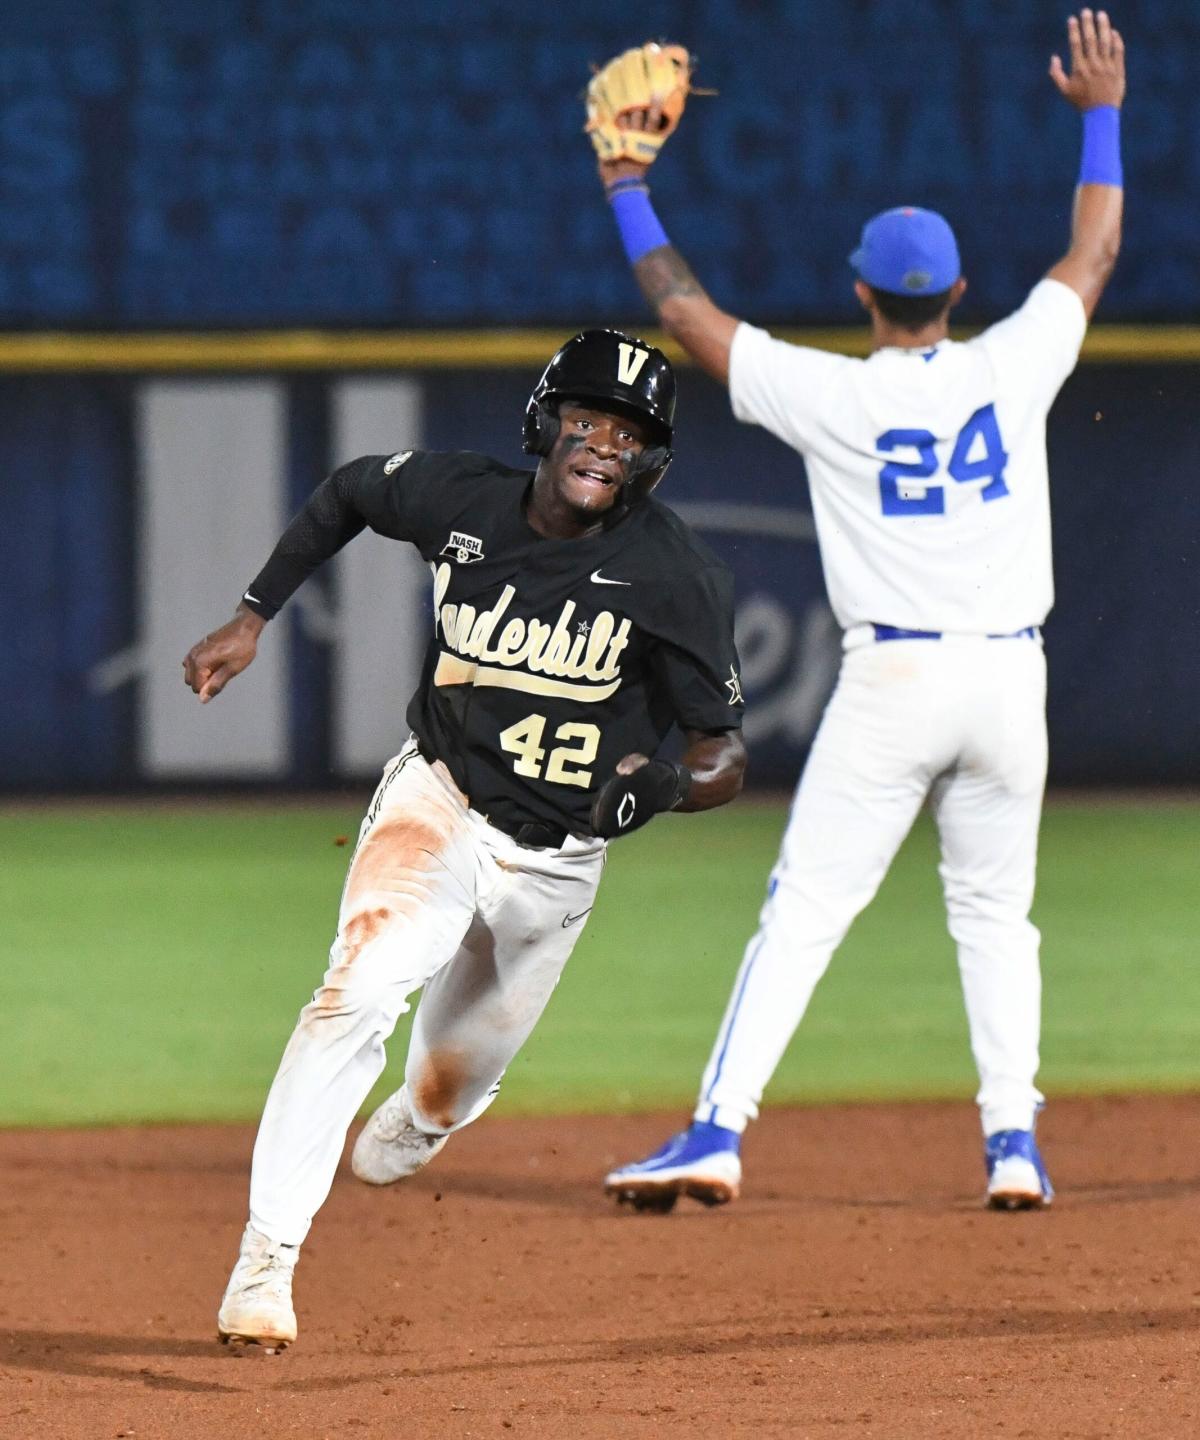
257	1308
1017	1178
1016	1185
390	1147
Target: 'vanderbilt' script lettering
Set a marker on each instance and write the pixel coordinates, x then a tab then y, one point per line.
544	649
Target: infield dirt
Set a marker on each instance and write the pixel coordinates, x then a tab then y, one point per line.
858	1289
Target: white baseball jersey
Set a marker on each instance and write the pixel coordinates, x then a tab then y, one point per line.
927	468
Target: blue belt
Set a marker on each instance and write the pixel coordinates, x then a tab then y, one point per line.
895	632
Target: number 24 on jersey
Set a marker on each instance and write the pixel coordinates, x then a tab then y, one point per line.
981	432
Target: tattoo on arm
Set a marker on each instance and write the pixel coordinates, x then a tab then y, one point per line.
664	274
686	311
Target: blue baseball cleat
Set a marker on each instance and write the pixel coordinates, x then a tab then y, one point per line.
701	1161
1017	1179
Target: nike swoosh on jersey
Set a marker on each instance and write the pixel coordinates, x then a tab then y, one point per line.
598	579
571	919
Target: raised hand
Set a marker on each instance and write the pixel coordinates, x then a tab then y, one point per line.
1097	62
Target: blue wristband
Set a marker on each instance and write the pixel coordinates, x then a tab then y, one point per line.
1100	163
640	229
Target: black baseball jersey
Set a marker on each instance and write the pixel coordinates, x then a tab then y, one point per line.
550	659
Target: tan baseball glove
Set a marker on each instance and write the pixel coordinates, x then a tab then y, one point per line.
634	103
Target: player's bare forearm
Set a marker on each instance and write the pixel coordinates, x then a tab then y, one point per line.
1095	243
718	763
685	310
1095	85
640	788
330	518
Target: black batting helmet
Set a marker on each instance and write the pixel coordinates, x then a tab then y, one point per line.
608	369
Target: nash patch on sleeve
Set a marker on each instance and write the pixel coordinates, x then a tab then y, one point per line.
466	549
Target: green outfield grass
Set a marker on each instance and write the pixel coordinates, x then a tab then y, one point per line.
154	960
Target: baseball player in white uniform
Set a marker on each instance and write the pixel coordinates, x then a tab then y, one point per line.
927	468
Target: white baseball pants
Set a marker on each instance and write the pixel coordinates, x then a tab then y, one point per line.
961	719
435	897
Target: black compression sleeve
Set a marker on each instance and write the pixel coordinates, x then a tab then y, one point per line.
329	520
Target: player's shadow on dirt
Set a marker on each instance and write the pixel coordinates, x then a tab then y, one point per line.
1068	1326
1070	1197
66	1352
1109	1192
90	1356
547	1191
101	1168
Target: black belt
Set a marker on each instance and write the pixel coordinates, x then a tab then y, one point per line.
534	833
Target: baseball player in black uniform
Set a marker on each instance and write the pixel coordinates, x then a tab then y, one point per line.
576	620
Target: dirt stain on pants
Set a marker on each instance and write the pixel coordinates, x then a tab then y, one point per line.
435	1093
388	884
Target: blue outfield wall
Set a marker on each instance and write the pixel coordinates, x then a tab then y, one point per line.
1125	677
364	162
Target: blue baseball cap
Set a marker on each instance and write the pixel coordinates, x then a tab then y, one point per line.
908	251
